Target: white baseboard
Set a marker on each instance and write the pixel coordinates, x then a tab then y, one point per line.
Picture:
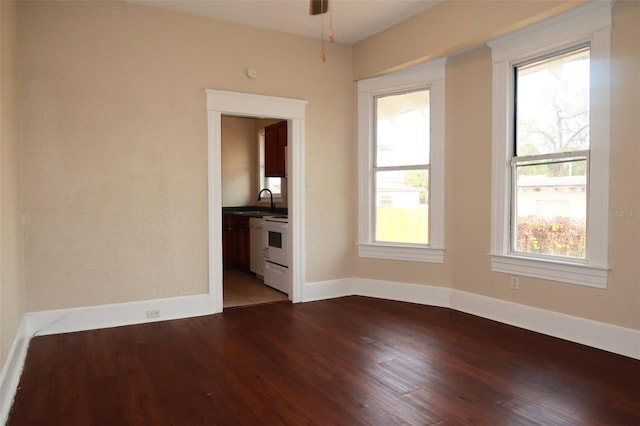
609	337
404	292
10	376
612	338
117	314
321	290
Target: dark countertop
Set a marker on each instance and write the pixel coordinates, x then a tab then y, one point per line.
253	211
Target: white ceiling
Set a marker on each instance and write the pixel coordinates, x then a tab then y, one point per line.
352	20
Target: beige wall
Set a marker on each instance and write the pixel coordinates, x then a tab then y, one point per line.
445	29
239	161
115	145
468	186
114	151
12	289
623	297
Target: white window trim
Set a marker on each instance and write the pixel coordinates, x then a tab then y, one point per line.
432	76
589	23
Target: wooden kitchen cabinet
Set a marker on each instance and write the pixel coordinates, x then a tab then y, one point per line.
275	143
228	258
242	244
235	242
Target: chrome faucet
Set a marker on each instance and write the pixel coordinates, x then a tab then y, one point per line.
273	205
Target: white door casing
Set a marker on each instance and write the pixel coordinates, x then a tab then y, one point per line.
249	105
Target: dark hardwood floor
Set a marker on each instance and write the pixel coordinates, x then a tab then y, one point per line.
346	361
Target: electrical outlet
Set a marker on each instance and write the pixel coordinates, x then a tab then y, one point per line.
153	313
515	283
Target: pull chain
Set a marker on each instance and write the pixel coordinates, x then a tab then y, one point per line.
330	27
323	55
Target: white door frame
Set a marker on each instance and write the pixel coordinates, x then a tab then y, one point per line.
249	105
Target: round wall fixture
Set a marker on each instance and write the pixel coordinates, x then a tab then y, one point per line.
252	73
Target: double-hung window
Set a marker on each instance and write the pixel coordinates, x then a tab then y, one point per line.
401	164
401	167
550	160
551	148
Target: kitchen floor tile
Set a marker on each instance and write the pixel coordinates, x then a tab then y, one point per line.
243	289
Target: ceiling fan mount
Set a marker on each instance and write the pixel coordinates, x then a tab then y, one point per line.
318	7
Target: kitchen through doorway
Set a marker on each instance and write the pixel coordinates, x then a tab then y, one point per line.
254	190
219	103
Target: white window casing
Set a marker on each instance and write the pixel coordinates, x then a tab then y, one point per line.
589	24
430	75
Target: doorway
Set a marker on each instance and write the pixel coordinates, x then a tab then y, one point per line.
250	105
246	281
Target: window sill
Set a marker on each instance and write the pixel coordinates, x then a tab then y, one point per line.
401	252
572	273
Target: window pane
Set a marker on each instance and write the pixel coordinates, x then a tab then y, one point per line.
402	206
402	129
274	184
550	208
552	104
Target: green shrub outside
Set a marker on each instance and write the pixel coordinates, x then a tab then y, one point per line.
558	236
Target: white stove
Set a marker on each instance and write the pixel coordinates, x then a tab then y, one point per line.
276	253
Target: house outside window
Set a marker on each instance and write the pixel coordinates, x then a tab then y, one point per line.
549	165
401	165
550	162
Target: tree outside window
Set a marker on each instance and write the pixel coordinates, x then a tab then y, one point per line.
551	152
